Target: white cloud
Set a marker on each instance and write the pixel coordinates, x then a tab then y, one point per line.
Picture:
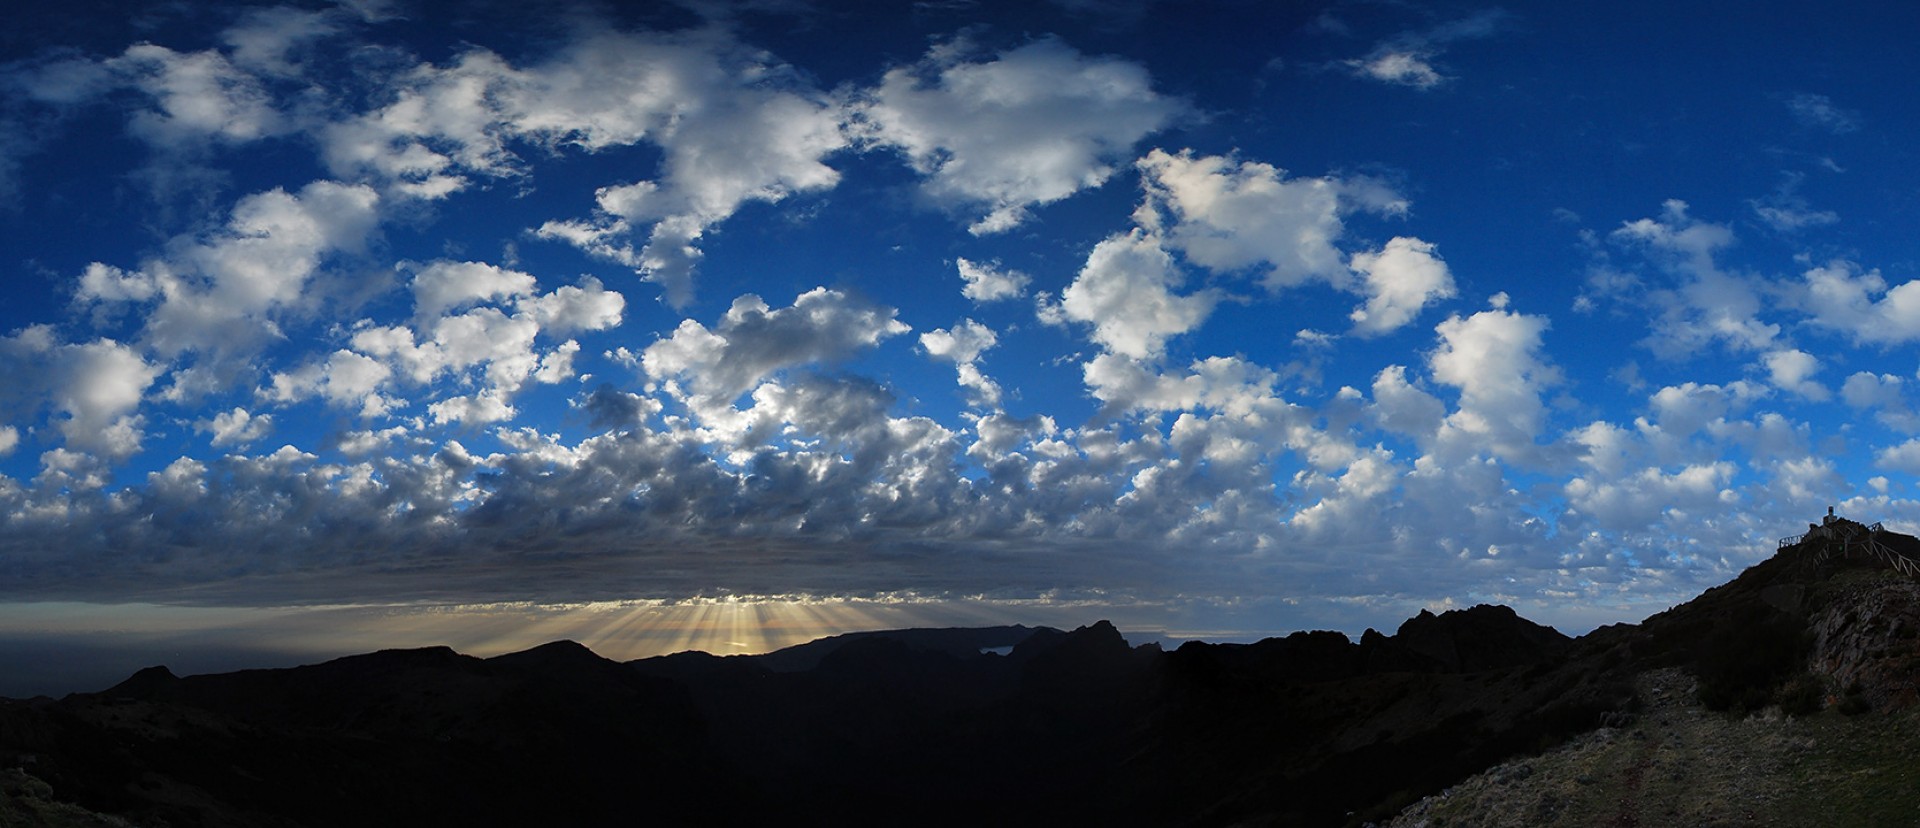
235	428
1819	111
557	365
9	440
1788	212
1029	127
745	143
473	409
1885	396
1903	458
753	340
1495	359
345	379
269	39
1709	305
106	283
1407	59
76	471
1225	216
1401	279
989	282
1841	297
485	343
1625	503
99	387
489	337
364	442
1400	67
962	345
733	125
1401	407
222	296
443	285
1685	409
1792	370
1229	384
196	96
1126	292
571	309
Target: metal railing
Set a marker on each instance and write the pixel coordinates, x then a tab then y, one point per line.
1842	539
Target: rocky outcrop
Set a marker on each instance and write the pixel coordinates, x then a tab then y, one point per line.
1868	640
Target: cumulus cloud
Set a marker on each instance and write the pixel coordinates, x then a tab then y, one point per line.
570	309
1401	406
753	340
609	408
1401	279
733	126
1792	370
1903	458
473	321
1126	292
472	409
1228	216
1028	127
962	345
1885	396
1496	359
345	379
1228	384
196	96
741	143
237	427
99	388
1708	305
9	440
989	282
90	393
443	286
1689	408
222	296
1860	304
1623	503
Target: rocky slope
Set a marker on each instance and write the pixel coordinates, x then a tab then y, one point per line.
1676	763
1787	697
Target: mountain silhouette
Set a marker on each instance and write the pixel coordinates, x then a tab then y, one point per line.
1003	725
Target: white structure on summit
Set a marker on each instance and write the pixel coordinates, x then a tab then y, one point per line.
1835	535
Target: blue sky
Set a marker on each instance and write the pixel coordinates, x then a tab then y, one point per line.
1216	318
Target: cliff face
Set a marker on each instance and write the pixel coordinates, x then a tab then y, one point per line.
1868	641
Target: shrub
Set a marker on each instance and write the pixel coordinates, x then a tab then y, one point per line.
1742	661
1803	695
1854	702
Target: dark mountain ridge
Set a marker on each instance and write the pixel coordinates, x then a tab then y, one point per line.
949	726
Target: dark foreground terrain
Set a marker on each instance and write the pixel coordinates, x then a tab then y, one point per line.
931	727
